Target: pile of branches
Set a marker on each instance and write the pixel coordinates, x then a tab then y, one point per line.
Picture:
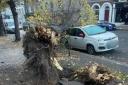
94	74
38	50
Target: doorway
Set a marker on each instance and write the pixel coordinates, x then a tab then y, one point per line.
106	15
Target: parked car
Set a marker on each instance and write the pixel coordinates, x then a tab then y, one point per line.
92	38
10	27
106	25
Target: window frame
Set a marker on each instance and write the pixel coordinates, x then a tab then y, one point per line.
79	31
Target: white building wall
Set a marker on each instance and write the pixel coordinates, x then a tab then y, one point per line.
113	13
102	11
101	14
110	10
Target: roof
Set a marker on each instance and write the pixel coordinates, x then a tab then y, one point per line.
81	27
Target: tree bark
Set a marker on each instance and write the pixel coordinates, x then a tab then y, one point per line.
12	5
37	50
2	28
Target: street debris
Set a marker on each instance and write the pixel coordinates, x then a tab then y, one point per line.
93	74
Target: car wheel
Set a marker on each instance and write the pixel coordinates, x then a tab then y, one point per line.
90	49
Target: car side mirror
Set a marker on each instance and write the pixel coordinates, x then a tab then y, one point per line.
81	35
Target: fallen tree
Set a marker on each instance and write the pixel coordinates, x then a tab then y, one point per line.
38	49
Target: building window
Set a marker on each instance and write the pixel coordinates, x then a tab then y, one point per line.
96	9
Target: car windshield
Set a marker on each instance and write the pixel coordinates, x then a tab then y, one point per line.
10	24
93	30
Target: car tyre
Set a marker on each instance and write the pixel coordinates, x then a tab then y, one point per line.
91	50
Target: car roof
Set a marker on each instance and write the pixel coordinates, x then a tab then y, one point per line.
81	27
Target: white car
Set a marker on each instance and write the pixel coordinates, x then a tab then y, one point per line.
10	27
92	38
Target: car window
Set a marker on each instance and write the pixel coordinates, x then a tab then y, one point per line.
80	33
73	32
68	31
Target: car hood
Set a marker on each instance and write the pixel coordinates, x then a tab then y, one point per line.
104	36
105	24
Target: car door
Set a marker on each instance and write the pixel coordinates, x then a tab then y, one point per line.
72	37
79	39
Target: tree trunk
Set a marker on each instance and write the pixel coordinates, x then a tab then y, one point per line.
2	28
12	5
39	56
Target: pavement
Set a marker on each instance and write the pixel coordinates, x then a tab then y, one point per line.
122	27
11	53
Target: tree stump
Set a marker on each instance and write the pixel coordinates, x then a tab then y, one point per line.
37	50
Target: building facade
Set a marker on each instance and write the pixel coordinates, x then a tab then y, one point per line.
115	11
121	10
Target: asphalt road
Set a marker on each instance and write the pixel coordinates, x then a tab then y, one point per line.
120	54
